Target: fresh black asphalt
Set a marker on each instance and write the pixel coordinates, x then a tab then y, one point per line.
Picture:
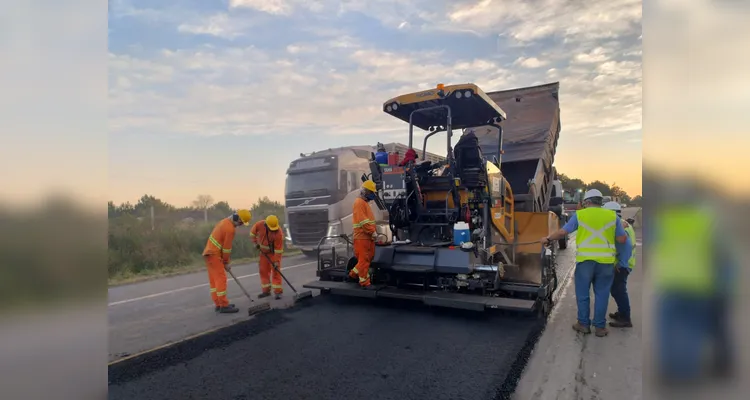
340	348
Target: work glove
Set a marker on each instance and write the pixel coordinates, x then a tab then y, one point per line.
374	235
226	266
257	246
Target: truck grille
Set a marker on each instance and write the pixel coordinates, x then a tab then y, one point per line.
307	227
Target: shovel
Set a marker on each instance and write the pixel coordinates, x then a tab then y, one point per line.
254	308
297	295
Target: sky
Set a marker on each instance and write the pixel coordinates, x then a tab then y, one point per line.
218	96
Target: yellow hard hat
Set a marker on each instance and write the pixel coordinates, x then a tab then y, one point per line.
272	222
245	216
369	185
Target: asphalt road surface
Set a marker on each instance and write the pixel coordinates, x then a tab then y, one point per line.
149	314
327	347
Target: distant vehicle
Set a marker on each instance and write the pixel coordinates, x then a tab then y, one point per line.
623	205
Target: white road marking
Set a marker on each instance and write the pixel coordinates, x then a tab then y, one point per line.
196	286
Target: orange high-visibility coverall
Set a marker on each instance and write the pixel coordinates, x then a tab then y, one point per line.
272	244
364	244
217	254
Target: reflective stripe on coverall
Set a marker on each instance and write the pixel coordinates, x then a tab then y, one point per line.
364	244
595	239
272	244
216	254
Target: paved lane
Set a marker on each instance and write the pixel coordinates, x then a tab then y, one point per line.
150	314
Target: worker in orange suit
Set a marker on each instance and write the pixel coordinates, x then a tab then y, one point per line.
269	239
217	256
364	234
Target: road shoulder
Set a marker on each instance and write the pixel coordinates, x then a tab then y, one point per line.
569	365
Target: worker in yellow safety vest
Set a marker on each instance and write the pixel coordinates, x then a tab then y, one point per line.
692	274
598	230
625	264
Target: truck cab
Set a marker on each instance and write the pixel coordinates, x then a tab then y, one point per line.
320	191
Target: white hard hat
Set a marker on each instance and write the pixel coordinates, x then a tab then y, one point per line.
613	205
592	193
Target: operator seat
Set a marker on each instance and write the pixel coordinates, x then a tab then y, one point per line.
470	162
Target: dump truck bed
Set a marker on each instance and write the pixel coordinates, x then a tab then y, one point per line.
530	136
339	348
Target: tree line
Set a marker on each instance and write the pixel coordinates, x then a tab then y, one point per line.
574	184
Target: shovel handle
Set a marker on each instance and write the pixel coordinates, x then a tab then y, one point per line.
240	285
279	271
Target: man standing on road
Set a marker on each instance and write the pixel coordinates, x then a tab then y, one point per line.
269	240
364	234
217	255
695	278
598	229
625	264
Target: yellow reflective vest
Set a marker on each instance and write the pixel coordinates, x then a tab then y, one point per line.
682	250
595	237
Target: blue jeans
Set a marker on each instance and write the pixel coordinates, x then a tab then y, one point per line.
620	292
685	323
600	276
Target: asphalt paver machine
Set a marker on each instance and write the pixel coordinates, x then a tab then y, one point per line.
458	239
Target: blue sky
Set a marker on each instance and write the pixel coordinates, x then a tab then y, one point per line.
217	97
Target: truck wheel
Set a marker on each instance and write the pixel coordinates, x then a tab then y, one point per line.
310	253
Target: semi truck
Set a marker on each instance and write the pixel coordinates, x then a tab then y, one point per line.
320	190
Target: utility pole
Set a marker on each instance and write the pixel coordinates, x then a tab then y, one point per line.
152	218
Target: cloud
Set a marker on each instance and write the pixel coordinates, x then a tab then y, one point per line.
334	78
276	7
531	62
526	20
595	56
220	25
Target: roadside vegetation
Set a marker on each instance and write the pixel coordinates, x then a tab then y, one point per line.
153	238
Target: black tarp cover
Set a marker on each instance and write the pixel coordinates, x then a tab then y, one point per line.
532	128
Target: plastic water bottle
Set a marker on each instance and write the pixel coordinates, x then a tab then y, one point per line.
461	233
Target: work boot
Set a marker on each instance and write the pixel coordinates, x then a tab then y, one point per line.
216	308
368	287
621	323
602	332
264	295
616	316
580	328
277	296
230	309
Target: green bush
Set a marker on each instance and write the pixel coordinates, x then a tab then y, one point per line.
136	249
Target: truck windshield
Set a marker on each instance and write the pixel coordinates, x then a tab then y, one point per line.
313	183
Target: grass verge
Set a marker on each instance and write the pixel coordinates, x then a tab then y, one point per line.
129	277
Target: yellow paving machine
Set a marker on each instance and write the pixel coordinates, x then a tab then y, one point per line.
465	231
